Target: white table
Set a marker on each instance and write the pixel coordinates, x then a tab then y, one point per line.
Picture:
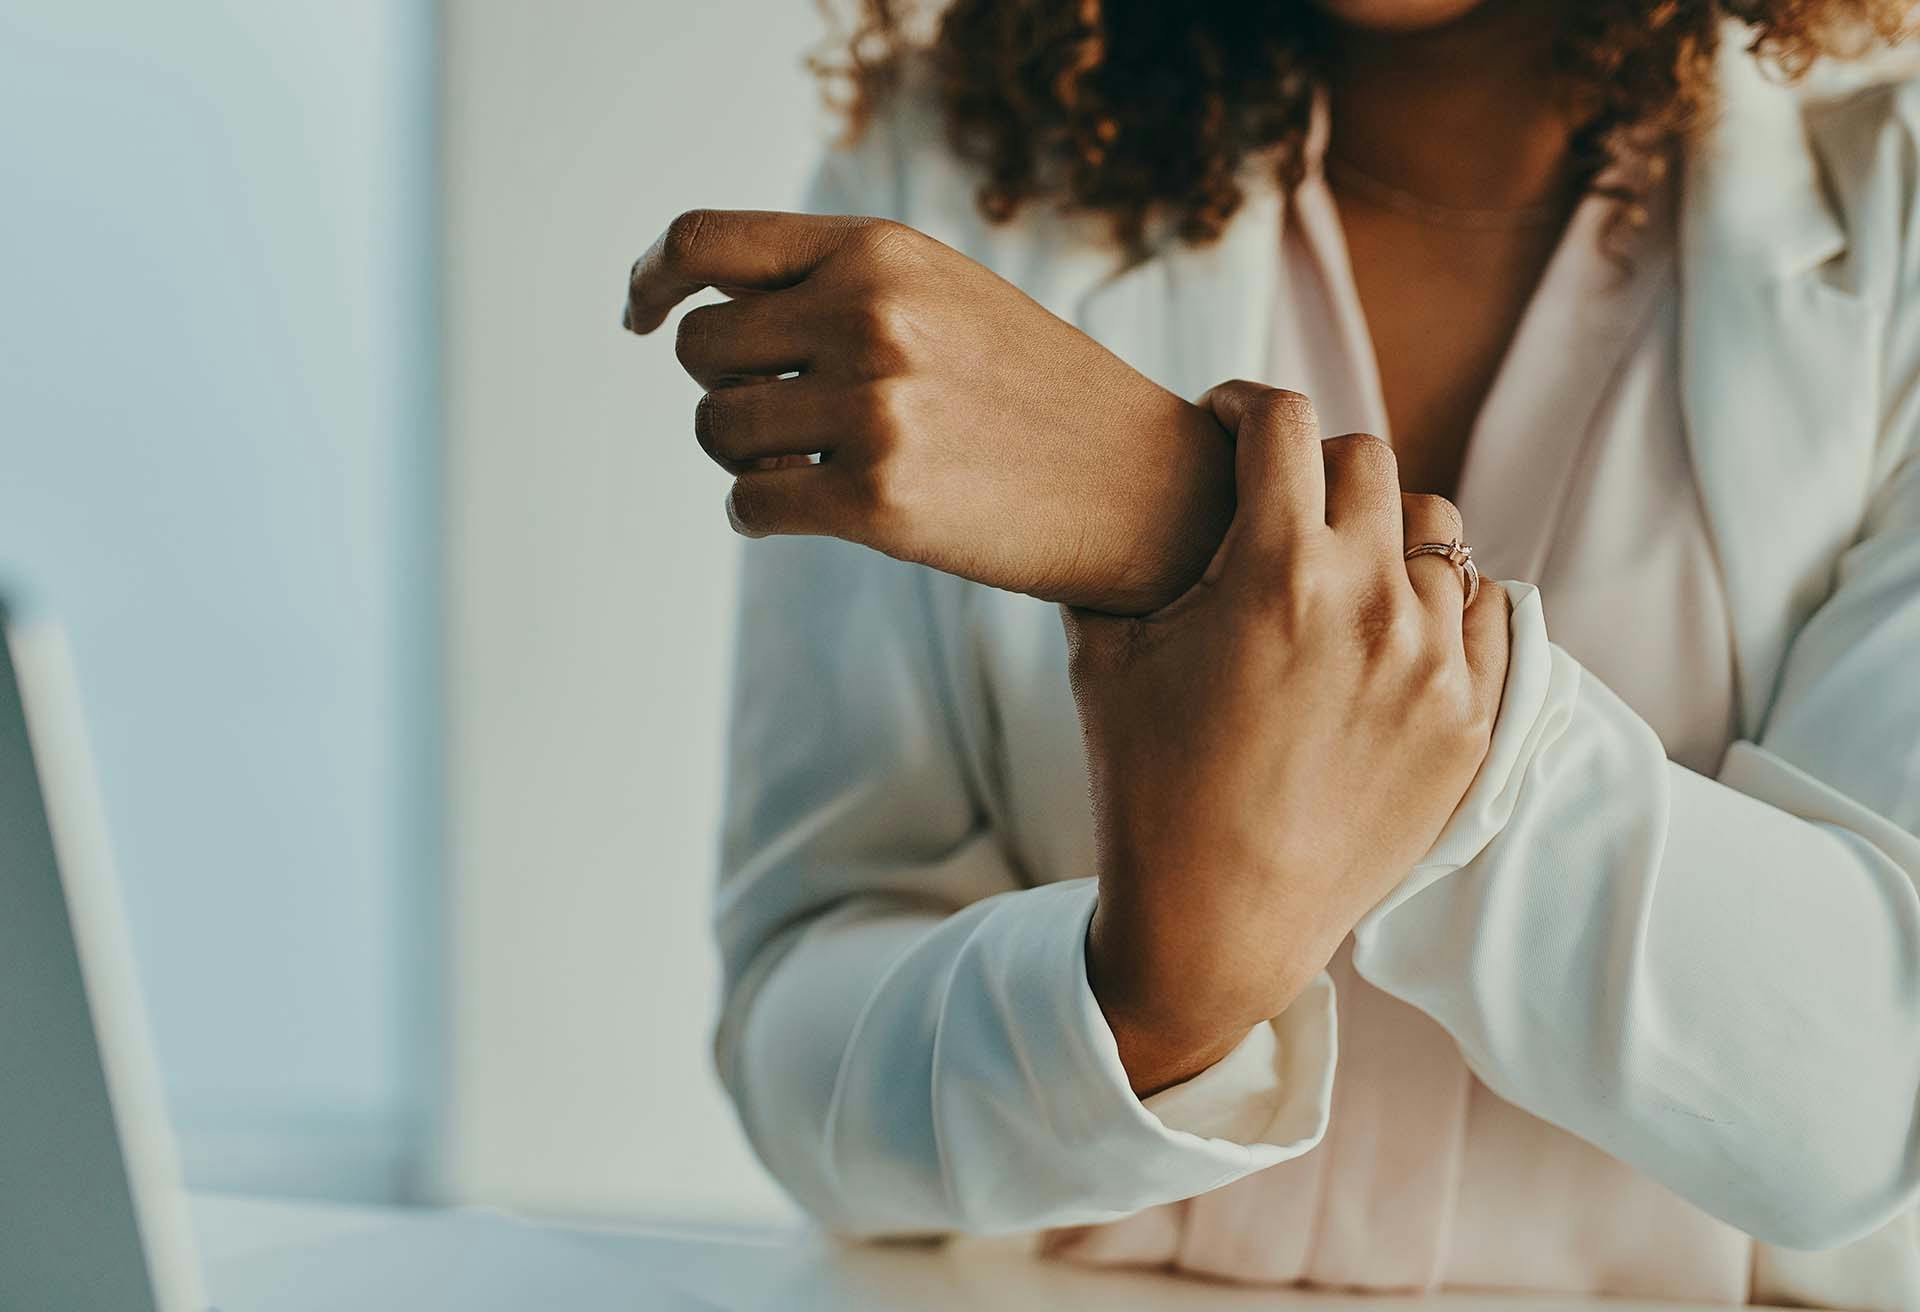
374	1259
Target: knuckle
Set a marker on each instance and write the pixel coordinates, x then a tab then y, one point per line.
1248	406
1363	449
1400	635
1299	593
713	416
1468	727
882	239
686	236
747	508
1275	407
1451	701
868	491
1242	392
881	322
1280	400
1291	599
882	490
1389	628
694	339
1474	714
879	414
1364	467
706	421
1447	687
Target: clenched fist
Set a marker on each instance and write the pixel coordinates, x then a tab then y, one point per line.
869	383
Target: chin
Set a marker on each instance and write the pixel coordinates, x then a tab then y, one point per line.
1397	15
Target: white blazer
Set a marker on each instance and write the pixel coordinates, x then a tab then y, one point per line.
1716	980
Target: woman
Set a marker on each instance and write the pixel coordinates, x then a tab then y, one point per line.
1561	935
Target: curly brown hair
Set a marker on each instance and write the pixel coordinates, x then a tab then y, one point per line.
1138	109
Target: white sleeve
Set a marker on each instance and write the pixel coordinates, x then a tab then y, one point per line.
908	1033
1714	980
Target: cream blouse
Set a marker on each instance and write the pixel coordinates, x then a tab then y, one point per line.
1576	476
1689	952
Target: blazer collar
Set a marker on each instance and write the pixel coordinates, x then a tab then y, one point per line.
1753	185
1777	370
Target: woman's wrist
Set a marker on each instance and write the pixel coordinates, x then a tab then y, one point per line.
1172	1017
1155	1061
1191	482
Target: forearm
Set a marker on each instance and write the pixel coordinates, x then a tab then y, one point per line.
908	1034
903	1071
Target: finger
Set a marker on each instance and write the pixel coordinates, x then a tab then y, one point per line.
722	344
1278	475
1363	490
788	498
1486	632
728	248
1440	585
782	417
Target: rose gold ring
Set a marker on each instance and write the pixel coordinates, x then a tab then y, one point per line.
1458	555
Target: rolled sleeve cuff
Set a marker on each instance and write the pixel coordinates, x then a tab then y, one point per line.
1267	1101
1275	1088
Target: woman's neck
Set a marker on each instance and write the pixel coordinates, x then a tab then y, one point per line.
1465	115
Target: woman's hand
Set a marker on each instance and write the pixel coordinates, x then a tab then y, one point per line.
1273	752
956	421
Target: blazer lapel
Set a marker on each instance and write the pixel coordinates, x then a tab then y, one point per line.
1778	367
1189	317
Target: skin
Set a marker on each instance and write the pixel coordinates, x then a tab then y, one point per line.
1397	16
1413	104
958	423
1232	863
1221	565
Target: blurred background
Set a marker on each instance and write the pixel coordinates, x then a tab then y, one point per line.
399	594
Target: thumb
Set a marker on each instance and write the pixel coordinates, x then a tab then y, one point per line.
1280	480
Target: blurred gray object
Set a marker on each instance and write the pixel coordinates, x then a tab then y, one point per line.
92	1214
86	1220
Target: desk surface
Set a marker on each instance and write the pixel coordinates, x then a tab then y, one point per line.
252	1249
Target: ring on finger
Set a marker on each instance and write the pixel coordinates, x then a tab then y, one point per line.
1460	556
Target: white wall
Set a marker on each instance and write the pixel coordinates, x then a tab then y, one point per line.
592	581
217	469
